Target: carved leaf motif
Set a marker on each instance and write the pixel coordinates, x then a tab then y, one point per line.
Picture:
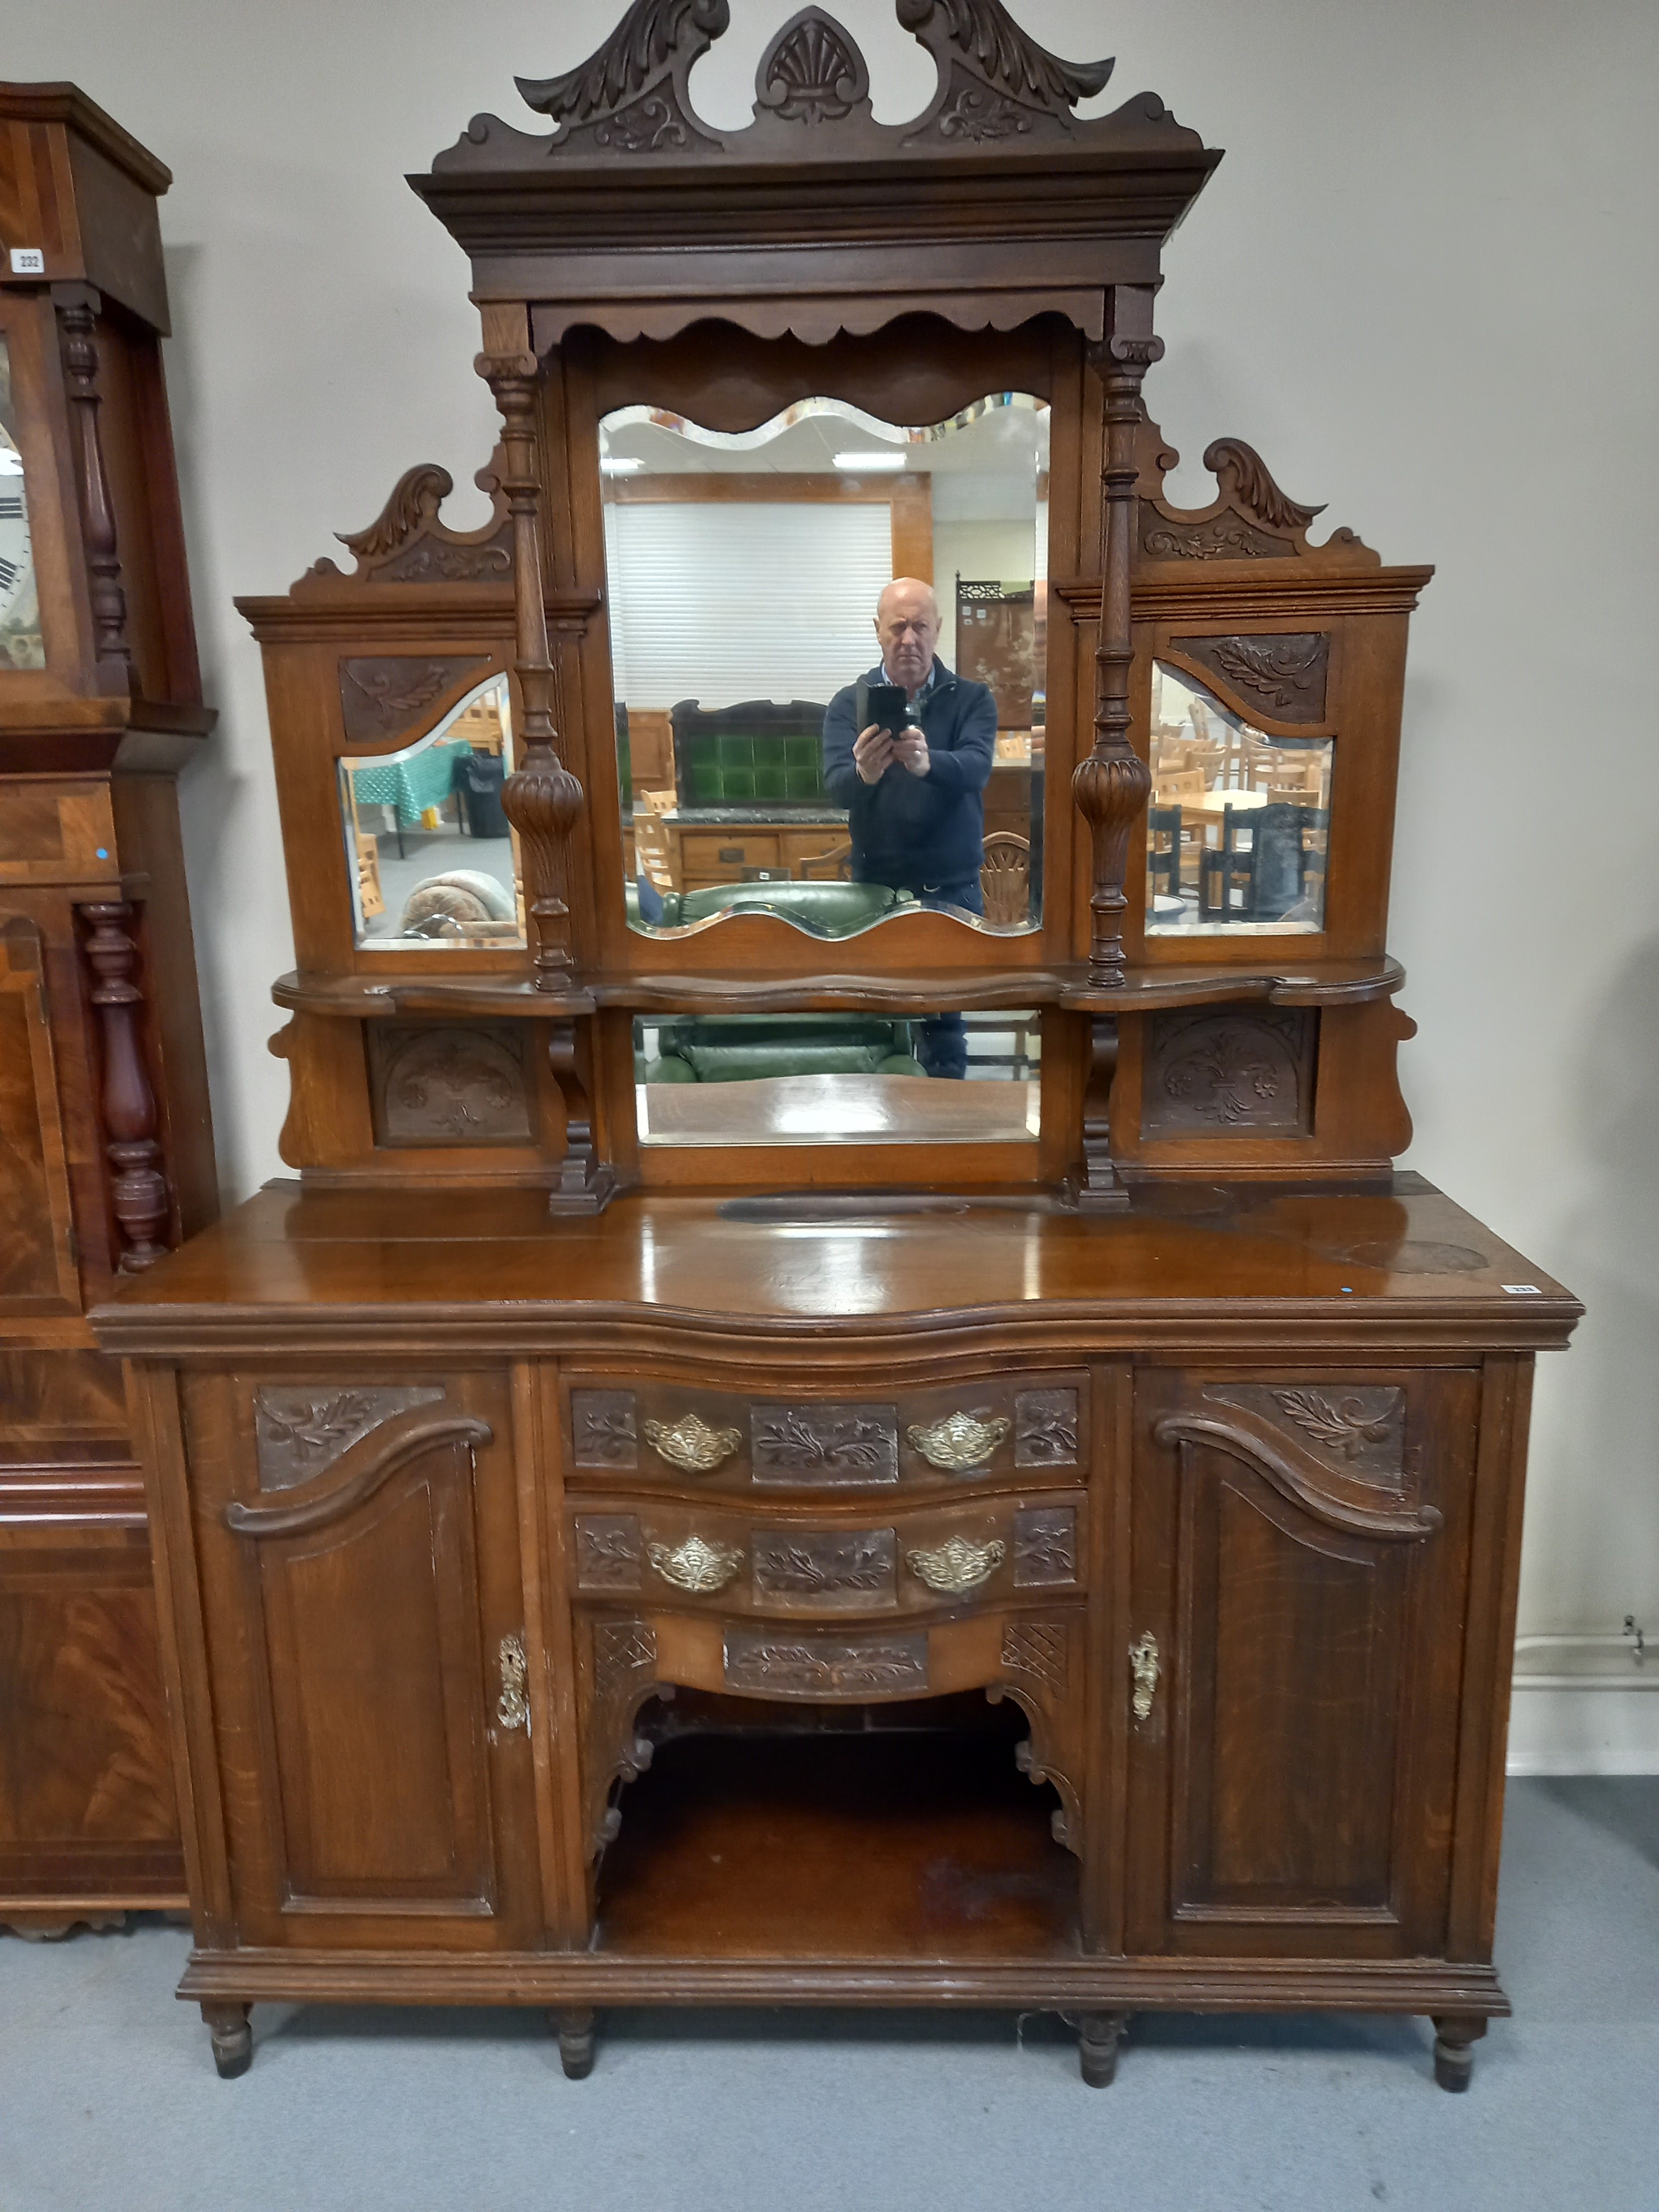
390	692
827	1442
1344	1428
651	126
818	1668
650	38
1226	1072
1239	468
976	115
1228	538
987	35
1280	673
1045	1428
813	72
437	561
414	504
822	1565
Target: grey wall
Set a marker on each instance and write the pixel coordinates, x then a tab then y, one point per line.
1422	284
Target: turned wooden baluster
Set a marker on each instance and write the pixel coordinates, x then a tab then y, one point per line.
139	1191
541	798
1112	783
77	311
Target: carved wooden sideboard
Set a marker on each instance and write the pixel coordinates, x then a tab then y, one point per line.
105	1139
1057	1552
1226	1502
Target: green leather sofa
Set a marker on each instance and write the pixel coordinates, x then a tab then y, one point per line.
717	1048
826	910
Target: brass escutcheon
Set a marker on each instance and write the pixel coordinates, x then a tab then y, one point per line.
1143	1664
695	1564
956	1565
959	1442
691	1443
512	1706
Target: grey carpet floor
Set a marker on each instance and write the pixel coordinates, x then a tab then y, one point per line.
109	2101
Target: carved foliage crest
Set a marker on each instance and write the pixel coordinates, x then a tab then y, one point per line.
406	542
1251	519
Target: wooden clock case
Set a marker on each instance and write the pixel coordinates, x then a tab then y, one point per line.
105	1141
1182	1435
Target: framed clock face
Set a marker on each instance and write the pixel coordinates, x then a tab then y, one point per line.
20	642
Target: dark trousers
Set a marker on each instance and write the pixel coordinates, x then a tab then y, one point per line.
942	1039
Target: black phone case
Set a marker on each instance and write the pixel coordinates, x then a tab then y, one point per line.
885	705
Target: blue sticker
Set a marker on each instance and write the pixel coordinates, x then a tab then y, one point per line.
103	853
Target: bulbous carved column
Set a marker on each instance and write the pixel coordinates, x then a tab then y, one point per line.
77	311
541	798
1111	786
139	1189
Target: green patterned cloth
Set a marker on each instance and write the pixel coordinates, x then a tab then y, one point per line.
424	780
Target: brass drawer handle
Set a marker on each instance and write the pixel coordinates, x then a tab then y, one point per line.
1143	1663
691	1443
512	1706
956	1565
695	1564
959	1442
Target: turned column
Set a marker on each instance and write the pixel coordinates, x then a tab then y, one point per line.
1111	784
139	1189
77	311
541	798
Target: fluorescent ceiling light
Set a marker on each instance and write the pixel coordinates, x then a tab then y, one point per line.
864	462
619	465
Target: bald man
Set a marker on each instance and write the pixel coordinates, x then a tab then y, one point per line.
915	802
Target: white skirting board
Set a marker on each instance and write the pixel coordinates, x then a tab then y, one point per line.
1588	1728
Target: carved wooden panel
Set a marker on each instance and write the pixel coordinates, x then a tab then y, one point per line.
1283	675
1230	1074
35	1263
1038	1672
851	1568
620	1674
610	1553
1045	1546
1045	1428
392	695
821	1447
445	560
604	1429
1359	1429
1225	538
300	1429
777	1666
1039	1649
451	1084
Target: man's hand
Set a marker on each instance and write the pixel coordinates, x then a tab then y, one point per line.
911	748
872	753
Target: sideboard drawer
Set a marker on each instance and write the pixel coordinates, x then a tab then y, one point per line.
1031	1429
787	1566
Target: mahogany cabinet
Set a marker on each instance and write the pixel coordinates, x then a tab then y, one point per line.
105	1141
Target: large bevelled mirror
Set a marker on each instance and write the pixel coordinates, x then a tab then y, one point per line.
827	636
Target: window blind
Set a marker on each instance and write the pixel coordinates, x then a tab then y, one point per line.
720	602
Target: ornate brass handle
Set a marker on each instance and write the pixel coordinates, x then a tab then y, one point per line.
1143	1663
691	1443
512	1706
695	1564
956	1565
958	1442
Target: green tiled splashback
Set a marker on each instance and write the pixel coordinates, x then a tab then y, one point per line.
729	770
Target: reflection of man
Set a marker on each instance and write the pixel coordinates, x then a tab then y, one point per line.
915	803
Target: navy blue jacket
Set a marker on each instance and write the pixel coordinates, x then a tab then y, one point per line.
918	832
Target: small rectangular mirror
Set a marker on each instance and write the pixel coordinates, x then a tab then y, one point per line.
1238	824
754	578
431	857
860	1079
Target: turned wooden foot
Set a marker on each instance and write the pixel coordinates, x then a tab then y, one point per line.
575	2041
232	2038
1453	2059
1097	2035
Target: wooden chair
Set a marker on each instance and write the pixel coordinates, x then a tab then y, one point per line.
652	856
832	866
369	894
1005	878
1164	851
1183	783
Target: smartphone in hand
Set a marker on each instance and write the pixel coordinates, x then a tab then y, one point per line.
881	706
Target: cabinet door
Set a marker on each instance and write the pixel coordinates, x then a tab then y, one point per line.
1300	1567
365	1620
